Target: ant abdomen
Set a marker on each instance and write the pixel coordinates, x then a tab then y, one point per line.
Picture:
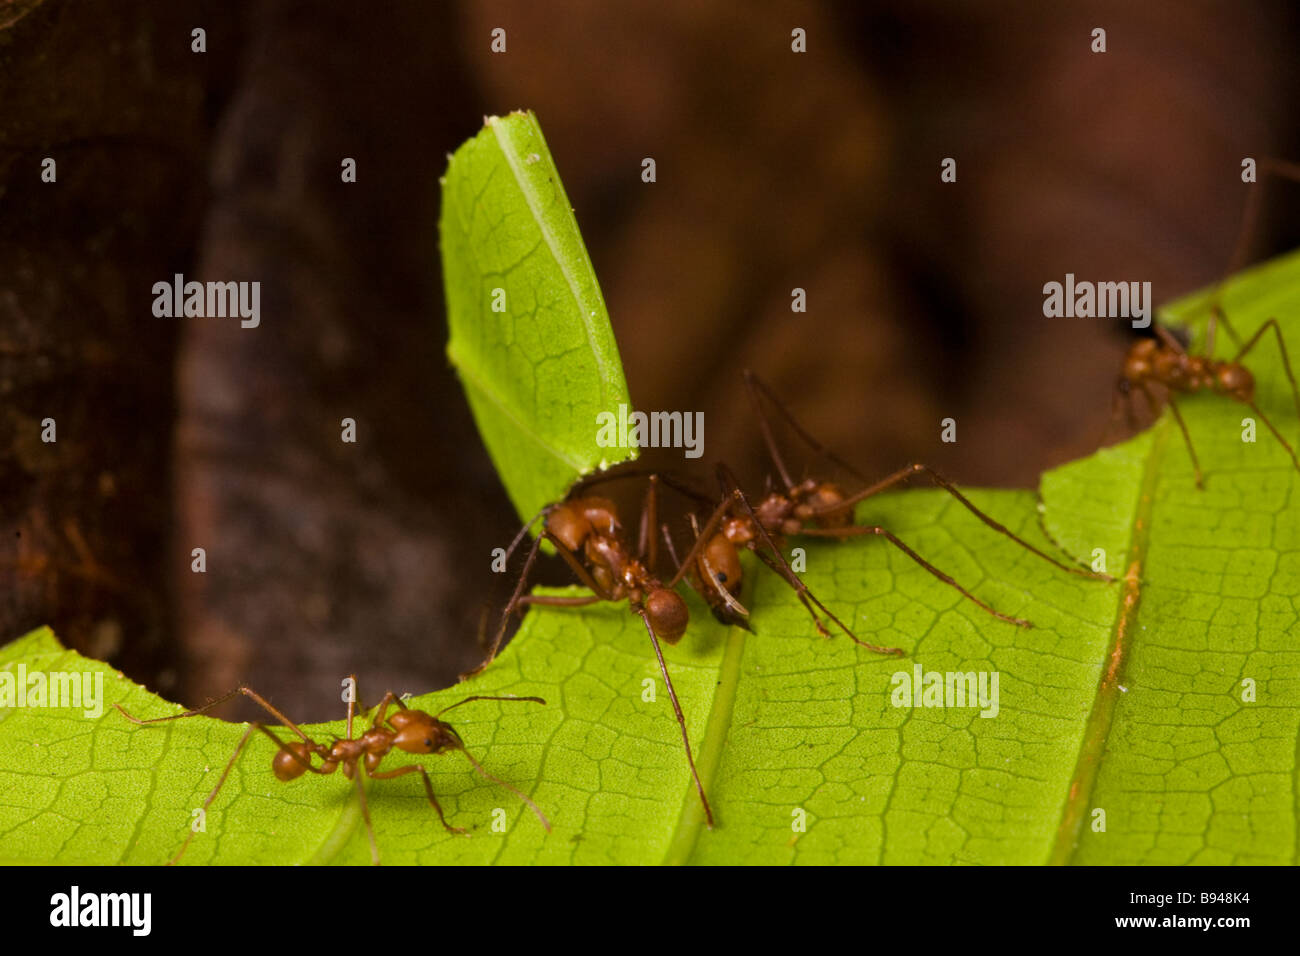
291	761
668	614
1235	381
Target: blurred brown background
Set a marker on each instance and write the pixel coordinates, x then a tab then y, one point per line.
775	170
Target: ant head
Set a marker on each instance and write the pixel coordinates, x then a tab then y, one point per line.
1235	381
422	733
723	561
667	614
572	521
291	760
1138	362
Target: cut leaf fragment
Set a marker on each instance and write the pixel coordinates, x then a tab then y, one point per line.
530	334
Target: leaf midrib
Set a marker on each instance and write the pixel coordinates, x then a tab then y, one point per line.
681	846
1101	718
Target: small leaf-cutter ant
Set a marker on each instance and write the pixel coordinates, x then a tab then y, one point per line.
407	729
1164	362
813	508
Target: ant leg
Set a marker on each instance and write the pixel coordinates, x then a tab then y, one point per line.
942	482
648	546
483	772
1178	417
679	485
516	599
365	815
681	719
428	791
381	714
710	528
559	600
782	567
809	599
758	390
1281	347
535	700
239	748
1250	217
241	689
1167	338
853	530
1276	434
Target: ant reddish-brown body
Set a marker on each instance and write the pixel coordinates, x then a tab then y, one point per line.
1165	363
586	532
407	729
813	508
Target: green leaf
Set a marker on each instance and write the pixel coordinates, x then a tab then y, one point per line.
1124	697
539	372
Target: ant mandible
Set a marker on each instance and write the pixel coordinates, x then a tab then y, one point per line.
813	508
407	729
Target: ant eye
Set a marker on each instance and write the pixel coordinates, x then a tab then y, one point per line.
722	578
428	742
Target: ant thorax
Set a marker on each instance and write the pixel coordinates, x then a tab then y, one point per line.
611	566
774	513
812	501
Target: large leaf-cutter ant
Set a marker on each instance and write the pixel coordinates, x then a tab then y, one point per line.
813	508
585	531
406	729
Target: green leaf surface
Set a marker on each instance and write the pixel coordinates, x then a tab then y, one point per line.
1125	698
530	336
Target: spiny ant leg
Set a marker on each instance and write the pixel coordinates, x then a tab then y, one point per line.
365	815
915	469
648	546
239	748
1281	347
1169	340
782	567
561	600
248	692
710	529
533	700
898	543
483	772
1187	437
428	791
1276	434
809	599
681	718
759	389
515	598
1250	216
